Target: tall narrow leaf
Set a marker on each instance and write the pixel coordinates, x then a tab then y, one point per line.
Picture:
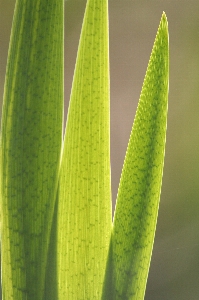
31	144
139	189
84	217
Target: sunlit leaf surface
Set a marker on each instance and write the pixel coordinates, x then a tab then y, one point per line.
31	141
84	215
139	189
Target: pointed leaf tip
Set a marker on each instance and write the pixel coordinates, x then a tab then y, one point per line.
164	16
164	21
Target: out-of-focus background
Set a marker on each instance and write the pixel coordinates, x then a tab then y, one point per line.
174	271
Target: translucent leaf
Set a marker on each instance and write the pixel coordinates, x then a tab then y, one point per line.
84	213
140	184
31	140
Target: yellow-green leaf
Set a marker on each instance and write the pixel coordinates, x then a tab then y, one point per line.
84	213
139	189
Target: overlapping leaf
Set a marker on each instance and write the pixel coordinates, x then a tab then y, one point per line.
31	145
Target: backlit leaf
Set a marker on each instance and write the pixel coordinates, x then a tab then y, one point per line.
31	140
139	189
84	214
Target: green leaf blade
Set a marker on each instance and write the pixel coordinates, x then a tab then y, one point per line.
84	223
139	190
31	144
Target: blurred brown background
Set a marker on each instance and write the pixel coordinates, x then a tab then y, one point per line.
174	272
